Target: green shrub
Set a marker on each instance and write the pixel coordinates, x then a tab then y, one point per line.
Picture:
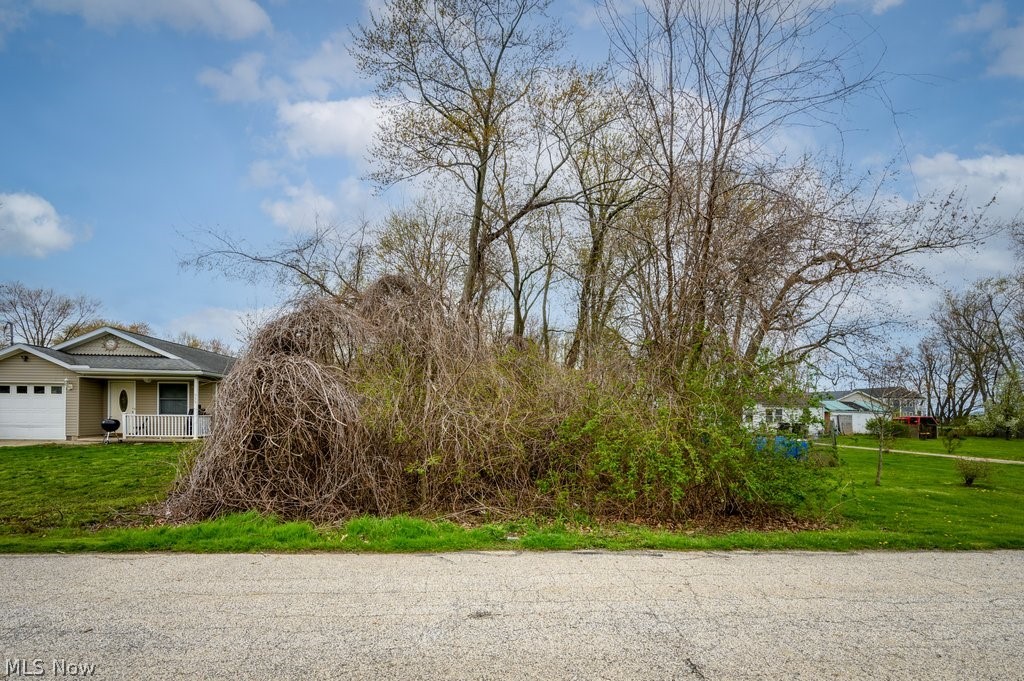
952	438
616	457
973	470
890	428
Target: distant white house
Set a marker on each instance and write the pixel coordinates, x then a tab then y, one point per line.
895	400
848	412
771	417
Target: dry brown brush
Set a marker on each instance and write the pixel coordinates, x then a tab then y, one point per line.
388	402
381	403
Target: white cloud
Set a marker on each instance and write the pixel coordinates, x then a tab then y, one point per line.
11	19
376	7
30	225
882	6
329	68
301	209
225	324
982	178
1005	41
228	18
243	81
333	128
989	16
1008	45
264	173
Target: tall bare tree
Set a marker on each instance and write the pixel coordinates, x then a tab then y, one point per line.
752	255
208	344
943	374
464	86
72	330
324	261
605	167
422	241
39	316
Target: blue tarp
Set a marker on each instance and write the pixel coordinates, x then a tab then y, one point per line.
791	447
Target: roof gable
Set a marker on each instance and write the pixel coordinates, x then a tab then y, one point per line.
59	358
132	354
109	344
211	362
894	392
105	332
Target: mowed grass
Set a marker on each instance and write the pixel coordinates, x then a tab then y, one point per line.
65	493
73	486
985	447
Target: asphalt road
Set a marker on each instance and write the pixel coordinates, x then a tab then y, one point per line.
586	615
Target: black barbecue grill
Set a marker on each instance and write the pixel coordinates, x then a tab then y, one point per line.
109	425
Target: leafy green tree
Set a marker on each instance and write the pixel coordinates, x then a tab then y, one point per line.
1004	413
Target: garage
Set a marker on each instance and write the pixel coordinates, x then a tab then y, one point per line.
32	412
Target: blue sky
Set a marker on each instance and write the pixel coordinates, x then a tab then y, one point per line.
127	124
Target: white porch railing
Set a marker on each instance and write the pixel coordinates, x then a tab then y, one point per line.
164	426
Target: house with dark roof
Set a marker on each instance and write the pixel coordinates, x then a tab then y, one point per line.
847	411
893	400
156	389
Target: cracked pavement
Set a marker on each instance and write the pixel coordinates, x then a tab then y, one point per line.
694	615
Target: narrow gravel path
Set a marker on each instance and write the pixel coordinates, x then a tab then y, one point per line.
935	454
580	615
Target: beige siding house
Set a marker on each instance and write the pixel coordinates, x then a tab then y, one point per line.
155	389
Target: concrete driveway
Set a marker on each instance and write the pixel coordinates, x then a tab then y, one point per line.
582	615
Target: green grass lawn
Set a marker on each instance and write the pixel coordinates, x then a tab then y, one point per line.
987	447
73	486
65	498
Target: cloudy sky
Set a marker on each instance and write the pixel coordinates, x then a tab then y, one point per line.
127	125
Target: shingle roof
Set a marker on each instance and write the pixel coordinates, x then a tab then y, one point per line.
56	354
206	361
135	363
186	360
894	392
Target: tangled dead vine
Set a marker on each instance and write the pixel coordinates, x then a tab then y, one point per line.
381	403
388	402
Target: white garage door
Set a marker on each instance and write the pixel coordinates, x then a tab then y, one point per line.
31	412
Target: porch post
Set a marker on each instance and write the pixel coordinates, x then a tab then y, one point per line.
195	408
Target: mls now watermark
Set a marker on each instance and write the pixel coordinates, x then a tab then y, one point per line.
52	667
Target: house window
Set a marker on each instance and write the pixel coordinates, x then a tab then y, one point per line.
173	398
39	390
5	390
22	390
772	415
56	389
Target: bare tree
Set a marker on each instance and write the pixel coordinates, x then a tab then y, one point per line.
39	316
422	242
73	330
981	328
943	374
324	261
750	256
885	374
605	167
465	86
208	344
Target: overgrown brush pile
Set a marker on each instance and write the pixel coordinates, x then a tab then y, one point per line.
386	402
